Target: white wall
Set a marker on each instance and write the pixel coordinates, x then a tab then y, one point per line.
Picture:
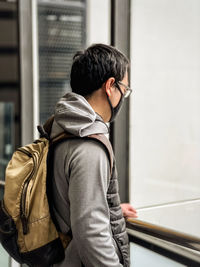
165	106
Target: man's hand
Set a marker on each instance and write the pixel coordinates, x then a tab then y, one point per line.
128	210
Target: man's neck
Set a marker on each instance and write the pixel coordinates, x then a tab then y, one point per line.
99	104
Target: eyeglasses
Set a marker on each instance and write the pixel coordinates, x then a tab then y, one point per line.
128	90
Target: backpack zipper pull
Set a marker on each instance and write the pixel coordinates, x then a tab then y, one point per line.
24	221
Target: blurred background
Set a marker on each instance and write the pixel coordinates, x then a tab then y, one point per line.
156	136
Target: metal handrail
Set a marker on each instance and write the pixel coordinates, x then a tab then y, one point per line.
180	243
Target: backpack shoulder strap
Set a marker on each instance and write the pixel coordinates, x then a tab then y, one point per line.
46	129
98	137
61	137
101	138
104	140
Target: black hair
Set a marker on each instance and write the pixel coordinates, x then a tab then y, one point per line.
94	66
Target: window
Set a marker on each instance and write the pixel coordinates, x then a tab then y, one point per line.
165	108
62	32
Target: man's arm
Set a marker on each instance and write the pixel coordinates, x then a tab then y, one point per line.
89	211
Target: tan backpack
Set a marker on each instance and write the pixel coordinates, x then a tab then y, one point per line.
27	229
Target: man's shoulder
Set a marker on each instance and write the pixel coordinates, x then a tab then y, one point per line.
89	144
82	144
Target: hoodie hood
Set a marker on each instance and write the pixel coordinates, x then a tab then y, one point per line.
74	114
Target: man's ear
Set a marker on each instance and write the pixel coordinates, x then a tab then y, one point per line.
108	85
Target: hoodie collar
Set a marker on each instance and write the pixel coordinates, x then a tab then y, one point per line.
75	115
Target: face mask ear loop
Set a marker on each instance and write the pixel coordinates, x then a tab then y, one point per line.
118	87
114	111
111	108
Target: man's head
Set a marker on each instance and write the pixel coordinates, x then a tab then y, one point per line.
94	66
100	75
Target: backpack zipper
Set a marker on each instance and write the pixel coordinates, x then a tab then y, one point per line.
23	216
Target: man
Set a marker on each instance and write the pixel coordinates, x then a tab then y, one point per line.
84	191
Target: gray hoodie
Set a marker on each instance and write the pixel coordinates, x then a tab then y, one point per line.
80	182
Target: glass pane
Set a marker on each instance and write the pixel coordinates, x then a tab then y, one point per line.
61	27
165	121
9	94
4	258
144	257
6	137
